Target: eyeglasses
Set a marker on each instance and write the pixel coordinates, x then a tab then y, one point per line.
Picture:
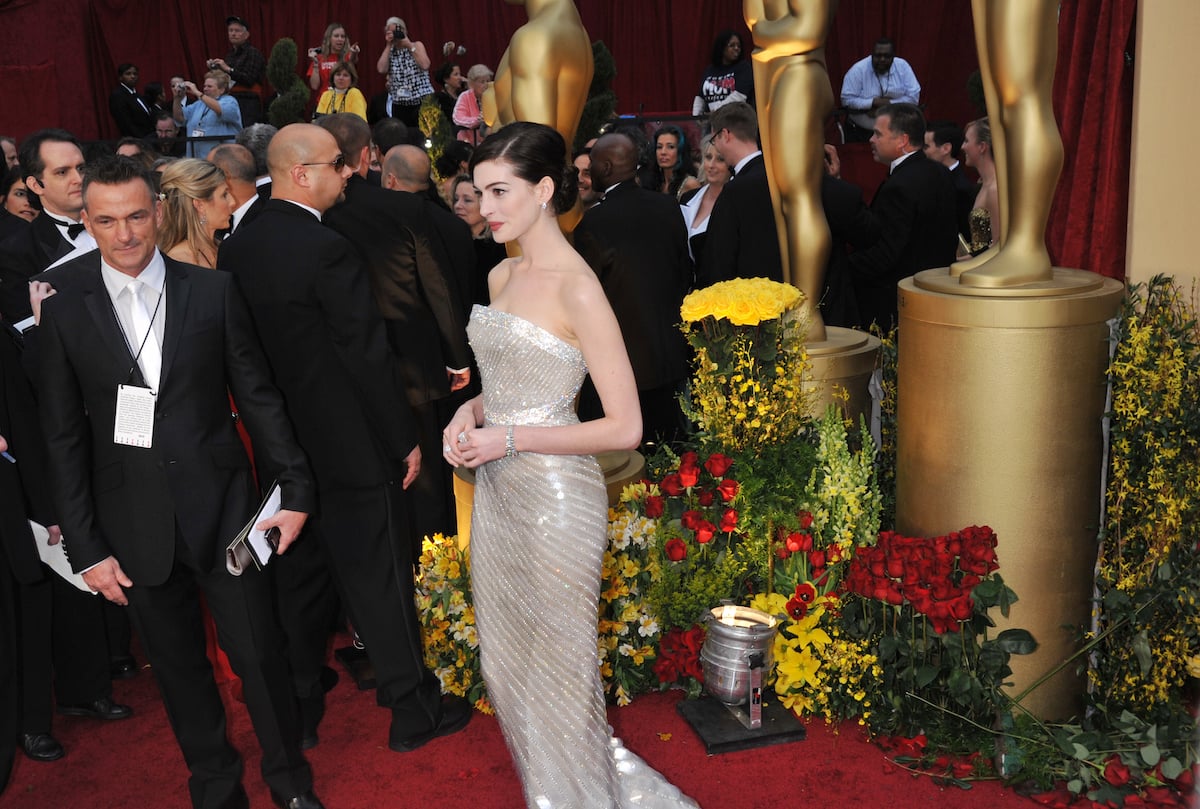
338	163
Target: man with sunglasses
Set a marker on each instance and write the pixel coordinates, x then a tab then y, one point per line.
310	298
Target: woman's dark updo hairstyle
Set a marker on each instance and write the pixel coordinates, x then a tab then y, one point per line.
534	151
718	51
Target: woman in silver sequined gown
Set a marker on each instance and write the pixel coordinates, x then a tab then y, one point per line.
540	516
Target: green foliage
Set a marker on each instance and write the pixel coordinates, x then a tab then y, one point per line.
936	652
1149	579
293	93
975	93
886	457
601	104
437	131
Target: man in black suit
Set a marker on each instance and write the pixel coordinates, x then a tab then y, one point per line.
406	169
742	239
943	144
915	207
52	164
60	630
851	224
257	138
311	301
237	163
418	297
636	242
130	112
138	356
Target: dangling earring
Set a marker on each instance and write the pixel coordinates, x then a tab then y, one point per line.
203	219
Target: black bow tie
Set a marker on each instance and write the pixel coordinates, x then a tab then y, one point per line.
73	228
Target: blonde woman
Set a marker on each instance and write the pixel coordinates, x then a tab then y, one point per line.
985	215
343	96
196	203
698	205
335	49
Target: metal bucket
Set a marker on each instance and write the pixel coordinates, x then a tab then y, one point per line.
734	635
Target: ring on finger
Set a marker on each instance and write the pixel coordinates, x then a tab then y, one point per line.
462	438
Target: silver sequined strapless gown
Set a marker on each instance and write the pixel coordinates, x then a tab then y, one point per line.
538	534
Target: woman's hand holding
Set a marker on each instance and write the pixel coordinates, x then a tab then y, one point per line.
475	447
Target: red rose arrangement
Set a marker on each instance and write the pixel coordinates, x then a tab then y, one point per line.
695	507
693	503
679	659
804	562
936	577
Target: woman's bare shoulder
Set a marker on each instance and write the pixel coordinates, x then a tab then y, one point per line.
579	288
182	252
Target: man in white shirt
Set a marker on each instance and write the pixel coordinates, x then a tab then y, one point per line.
875	80
151	481
52	165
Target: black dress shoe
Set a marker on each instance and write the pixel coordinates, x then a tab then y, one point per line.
122	668
42	747
103	708
456	713
306	801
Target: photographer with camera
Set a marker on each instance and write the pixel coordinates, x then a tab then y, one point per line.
406	64
335	49
211	111
245	67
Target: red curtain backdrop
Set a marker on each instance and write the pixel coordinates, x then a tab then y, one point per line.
660	46
58	66
1093	101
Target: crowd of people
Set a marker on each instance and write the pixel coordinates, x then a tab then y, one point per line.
357	312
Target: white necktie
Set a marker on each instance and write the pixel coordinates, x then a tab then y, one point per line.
150	358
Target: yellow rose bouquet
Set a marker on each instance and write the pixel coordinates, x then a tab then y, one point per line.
750	363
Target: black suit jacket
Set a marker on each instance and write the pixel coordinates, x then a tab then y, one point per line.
311	303
636	242
918	230
742	240
132	118
129	502
22	256
410	276
456	240
23	485
851	224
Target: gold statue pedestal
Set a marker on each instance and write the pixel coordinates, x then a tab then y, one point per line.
619	468
1000	399
842	365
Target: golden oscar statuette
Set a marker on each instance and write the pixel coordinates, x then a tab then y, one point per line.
1002	362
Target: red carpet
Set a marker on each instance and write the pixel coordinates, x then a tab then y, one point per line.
135	763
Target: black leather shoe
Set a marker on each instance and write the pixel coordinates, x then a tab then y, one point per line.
306	801
42	747
456	713
122	668
103	708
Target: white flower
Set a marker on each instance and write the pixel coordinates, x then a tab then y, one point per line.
648	627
